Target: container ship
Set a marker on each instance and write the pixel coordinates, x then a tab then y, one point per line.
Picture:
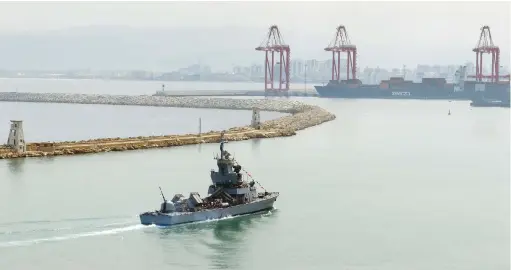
428	88
398	88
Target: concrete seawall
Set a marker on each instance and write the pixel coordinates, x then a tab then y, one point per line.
302	116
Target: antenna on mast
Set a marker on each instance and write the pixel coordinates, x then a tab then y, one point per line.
222	141
161	192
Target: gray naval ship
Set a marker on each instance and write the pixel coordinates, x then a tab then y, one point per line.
229	195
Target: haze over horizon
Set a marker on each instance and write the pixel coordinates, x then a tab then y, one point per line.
161	36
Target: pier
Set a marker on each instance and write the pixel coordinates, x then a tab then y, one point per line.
300	116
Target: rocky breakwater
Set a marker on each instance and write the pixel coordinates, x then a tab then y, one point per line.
301	116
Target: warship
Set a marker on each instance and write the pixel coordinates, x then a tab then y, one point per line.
230	194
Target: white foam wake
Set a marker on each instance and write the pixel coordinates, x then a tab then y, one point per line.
72	236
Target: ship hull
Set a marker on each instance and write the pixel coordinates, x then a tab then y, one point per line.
161	219
469	91
376	93
484	103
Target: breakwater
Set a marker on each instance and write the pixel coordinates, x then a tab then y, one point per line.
301	116
239	93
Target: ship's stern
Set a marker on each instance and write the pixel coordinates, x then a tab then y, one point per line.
147	218
150	218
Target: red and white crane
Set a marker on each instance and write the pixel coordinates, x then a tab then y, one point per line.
274	43
341	43
485	45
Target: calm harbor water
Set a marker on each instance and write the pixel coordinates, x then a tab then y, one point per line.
388	185
65	122
118	87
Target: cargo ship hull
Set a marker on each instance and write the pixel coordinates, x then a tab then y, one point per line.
397	88
490	103
376	93
494	98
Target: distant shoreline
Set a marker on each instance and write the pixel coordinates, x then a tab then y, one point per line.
150	80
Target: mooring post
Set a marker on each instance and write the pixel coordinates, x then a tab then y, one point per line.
200	127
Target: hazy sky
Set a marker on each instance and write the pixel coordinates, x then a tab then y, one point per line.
386	33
